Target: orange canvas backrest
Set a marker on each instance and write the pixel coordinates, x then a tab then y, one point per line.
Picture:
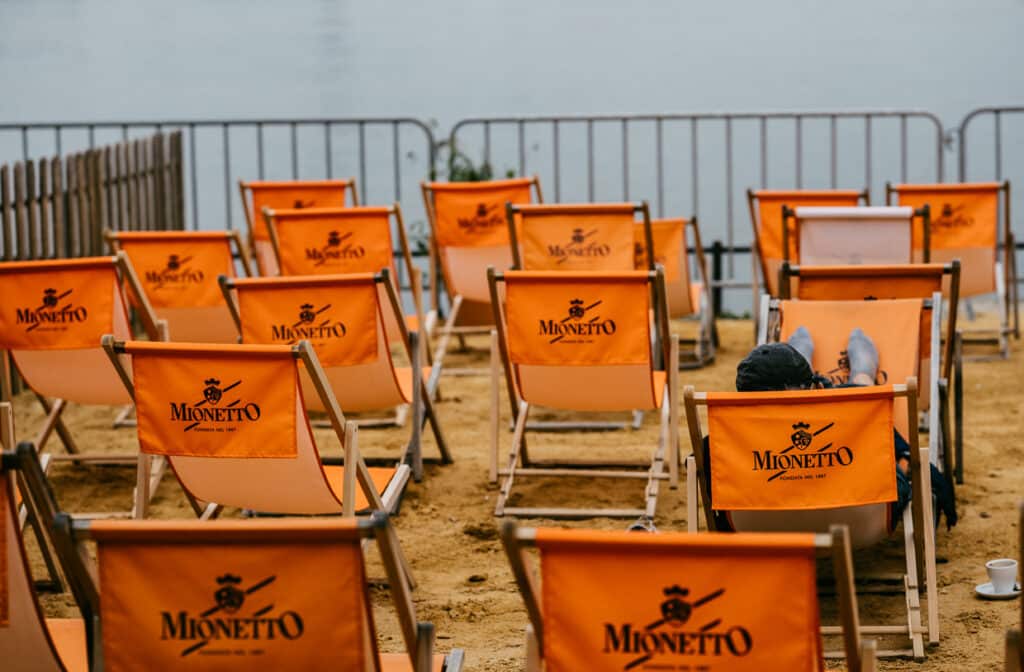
613	601
892	325
806	449
964	224
579	319
338	315
472	214
586	237
333	240
856	283
291	195
669	238
66	304
179	269
216	401
767	218
234	594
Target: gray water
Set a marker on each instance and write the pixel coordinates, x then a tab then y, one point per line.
445	60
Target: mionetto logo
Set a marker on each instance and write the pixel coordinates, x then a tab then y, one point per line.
51	314
207	415
951	217
313	324
336	248
674	636
581	245
792	463
574	328
484	217
224	623
175	272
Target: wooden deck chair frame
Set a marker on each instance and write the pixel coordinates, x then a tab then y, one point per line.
73	536
27	514
701	349
512	211
444	332
943	456
423	407
950	394
1006	280
43	643
791	214
156	330
234	239
425	320
759	280
345	430
518	459
859	653
918	530
245	191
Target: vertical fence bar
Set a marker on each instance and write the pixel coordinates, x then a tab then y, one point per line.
24	143
764	151
590	160
192	175
5	212
487	143
694	171
903	148
396	160
57	139
625	160
20	220
226	135
92	136
259	151
659	162
556	162
294	132
799	152
32	219
60	245
834	144
998	130
521	132
716	277
867	152
729	195
45	211
362	161
329	149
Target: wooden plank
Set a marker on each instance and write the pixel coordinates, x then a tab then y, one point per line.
178	179
123	203
60	225
159	184
20	217
31	205
132	184
45	211
98	210
74	209
5	212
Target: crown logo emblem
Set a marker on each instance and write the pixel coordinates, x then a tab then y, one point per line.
212	393
675	609
576	309
49	297
801	437
228	596
306	314
333	239
577	236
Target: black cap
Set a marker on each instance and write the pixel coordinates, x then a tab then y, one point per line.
773	367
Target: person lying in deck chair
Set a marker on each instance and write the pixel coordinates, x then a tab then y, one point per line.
786	366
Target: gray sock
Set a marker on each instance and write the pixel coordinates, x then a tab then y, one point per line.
863	355
800	340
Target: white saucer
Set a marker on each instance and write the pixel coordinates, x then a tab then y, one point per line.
985	590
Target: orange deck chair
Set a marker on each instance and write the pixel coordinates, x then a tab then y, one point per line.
581	341
828	236
231	419
254	595
323	241
51	322
807	459
292	194
766	219
468	233
686	297
610	601
905	281
966	225
578	237
178	271
29	642
345	318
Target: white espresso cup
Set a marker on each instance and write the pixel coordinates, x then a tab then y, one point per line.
1003	574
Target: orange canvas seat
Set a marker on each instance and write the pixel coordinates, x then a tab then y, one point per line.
328	241
904	281
29	642
686	296
289	194
828	236
578	237
610	601
803	460
232	422
156	601
582	341
344	317
970	222
51	322
766	219
178	271
468	234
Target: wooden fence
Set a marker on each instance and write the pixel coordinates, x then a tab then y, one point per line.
58	207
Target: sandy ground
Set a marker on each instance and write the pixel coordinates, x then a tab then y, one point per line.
447	528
